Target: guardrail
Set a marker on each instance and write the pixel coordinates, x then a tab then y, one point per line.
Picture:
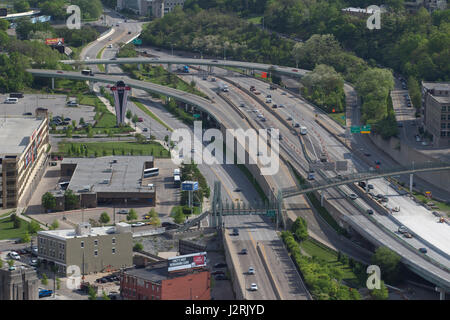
149	232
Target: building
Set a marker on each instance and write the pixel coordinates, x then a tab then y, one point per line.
436	104
18	284
106	180
163	281
99	249
162	7
152	8
430	5
23	155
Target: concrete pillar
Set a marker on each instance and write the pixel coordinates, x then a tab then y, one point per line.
321	197
169	67
367	186
91	86
441	293
411	182
53	83
139	66
106	68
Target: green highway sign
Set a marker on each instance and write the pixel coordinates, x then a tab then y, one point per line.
365	129
137	41
197	115
271	213
343	117
355	129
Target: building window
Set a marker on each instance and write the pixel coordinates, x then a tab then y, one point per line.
95	253
448	117
95	242
82	244
443	134
442	125
113	250
444	108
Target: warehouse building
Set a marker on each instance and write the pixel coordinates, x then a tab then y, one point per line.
106	180
101	249
23	155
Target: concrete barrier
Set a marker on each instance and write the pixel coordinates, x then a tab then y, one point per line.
262	255
237	279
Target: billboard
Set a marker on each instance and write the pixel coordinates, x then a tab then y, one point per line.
188	261
189	186
54	41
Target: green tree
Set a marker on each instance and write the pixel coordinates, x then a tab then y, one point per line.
33	227
16	221
26	238
105	296
70	200
179	217
389	263
140	138
54	225
132	215
58	283
21	6
81	121
300	230
1	263
128	114
135	120
44	279
380	294
10	263
48	201
92	293
138	247
104	218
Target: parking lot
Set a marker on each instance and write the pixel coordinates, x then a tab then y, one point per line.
56	105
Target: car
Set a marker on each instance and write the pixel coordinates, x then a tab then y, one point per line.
396	209
33	262
214	61
67	119
283	93
129	32
140	120
274	106
436	214
369	211
379	196
59	71
45	293
147	217
110	46
423	250
253	287
384	199
243	251
217	272
353	196
402	229
122	211
114	58
407	235
377	162
14	255
193	150
269	96
251	270
362	184
213	79
27	114
145	130
237	190
220	277
235	232
289	118
72	104
370	186
295	70
220	265
138	224
281	106
367	154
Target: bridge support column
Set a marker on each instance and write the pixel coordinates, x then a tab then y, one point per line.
53	83
441	293
411	183
367	186
106	68
139	66
321	197
169	67
91	86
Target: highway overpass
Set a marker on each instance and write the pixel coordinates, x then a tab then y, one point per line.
287	71
418	263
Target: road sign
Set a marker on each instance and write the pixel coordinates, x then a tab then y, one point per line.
343	117
271	213
355	129
54	41
137	41
197	115
366	128
189	186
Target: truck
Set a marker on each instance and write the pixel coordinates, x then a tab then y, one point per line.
223	86
87	72
303	130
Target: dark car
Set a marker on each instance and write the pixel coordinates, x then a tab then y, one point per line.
377	162
217	272
243	251
129	32
220	265
235	232
27	114
214	61
423	250
221	277
237	190
45	293
369	211
367	154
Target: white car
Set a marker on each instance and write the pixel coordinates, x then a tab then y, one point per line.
251	270
138	224
353	196
253	287
14	255
396	209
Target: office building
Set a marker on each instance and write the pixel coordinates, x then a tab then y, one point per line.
21	283
436	104
101	249
23	154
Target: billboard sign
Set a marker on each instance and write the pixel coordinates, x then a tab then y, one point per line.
54	41
189	186
188	261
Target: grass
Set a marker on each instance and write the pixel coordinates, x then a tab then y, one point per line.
6	213
330	258
175	209
338	118
7	230
441	205
101	67
151	114
120	148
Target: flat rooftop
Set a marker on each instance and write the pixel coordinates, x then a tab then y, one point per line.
441	86
15	134
442	99
102	175
65	234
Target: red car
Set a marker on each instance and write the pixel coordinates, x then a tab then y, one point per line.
59	71
295	70
140	120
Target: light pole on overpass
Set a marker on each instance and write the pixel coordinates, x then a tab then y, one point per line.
171	45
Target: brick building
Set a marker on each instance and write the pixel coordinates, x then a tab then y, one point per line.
155	282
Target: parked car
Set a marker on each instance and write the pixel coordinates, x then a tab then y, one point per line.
138	224
122	211
33	262
237	190
251	270
370	186
27	114
14	255
220	265
217	272
45	293
221	277
72	104
145	130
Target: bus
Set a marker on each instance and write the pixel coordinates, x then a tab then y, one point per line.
177	181
152	172
87	72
